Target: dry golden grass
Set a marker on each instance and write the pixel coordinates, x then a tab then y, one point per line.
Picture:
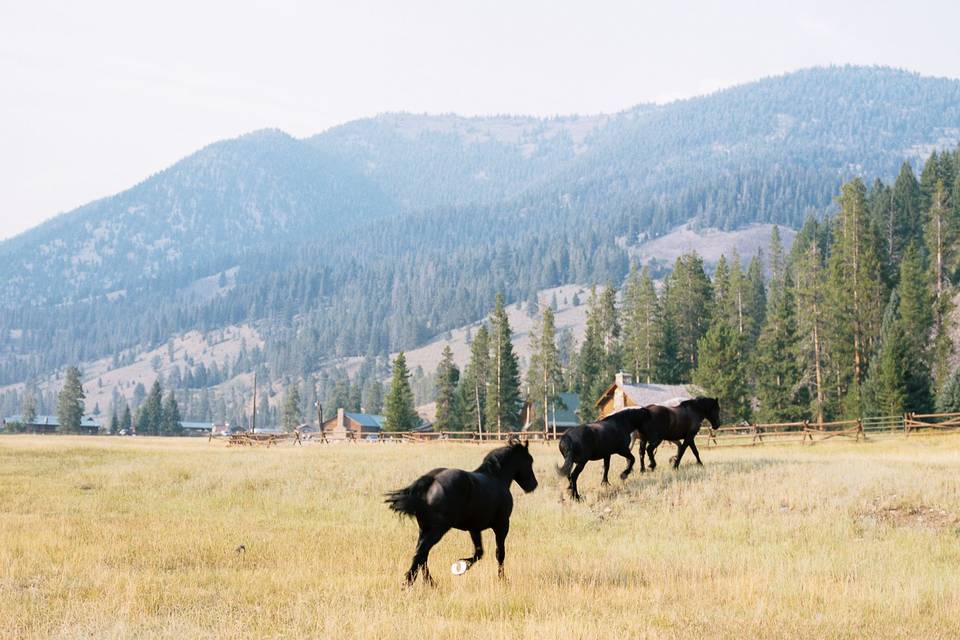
109	537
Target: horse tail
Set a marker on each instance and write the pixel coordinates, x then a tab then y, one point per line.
566	450
411	500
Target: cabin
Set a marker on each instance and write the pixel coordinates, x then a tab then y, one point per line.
624	392
349	425
48	424
197	428
562	414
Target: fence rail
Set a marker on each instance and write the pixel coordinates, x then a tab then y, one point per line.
732	435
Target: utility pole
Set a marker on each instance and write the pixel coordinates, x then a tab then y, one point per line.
254	423
323	435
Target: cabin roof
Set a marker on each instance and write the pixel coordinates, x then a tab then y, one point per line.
565	414
206	426
366	419
643	394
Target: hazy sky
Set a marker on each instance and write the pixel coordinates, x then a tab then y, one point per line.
95	96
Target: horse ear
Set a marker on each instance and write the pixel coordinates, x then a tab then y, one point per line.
526	444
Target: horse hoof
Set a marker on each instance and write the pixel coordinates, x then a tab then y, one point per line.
459	567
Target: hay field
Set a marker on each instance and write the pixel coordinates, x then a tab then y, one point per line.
136	538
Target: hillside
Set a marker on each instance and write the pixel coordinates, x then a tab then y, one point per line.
387	233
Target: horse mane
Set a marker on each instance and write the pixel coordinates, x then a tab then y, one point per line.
623	411
699	402
494	461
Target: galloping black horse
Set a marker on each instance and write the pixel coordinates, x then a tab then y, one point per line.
599	441
679	424
445	499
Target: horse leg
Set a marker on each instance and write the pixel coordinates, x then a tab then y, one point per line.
501	535
630	460
428	538
651	448
696	454
643	449
573	480
477	550
606	471
680	450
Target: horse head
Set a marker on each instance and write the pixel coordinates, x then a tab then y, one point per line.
523	473
711	410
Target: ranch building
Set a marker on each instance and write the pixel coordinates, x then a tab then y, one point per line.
562	414
48	424
625	393
197	428
352	425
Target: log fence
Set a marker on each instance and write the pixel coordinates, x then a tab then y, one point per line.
733	435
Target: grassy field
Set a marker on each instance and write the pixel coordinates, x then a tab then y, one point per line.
111	537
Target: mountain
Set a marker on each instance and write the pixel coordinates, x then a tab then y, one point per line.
384	233
261	190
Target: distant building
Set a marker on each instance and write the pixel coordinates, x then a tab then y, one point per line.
197	428
352	425
561	415
50	424
624	393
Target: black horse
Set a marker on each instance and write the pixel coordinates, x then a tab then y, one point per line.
445	499
599	441
678	424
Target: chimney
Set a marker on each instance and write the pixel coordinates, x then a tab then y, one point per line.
340	420
623	378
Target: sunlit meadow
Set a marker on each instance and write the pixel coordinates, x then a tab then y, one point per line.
138	537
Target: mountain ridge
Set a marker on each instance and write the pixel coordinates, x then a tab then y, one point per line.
414	222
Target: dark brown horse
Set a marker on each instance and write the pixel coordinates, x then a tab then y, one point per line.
599	441
678	424
445	499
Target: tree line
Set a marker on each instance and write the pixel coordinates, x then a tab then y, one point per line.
853	320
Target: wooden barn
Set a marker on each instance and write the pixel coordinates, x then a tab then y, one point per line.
625	393
352	425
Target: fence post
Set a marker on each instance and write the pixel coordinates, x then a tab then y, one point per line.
806	432
860	430
906	424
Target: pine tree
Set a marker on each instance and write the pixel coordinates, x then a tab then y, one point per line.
948	400
590	359
545	376
114	422
906	218
775	360
641	310
503	384
399	411
292	413
688	300
754	302
720	371
723	303
473	388
916	319
28	408
449	415
856	297
809	267
373	396
126	422
151	412
885	391
171	421
70	402
941	240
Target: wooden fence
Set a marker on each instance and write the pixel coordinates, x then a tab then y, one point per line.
745	434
